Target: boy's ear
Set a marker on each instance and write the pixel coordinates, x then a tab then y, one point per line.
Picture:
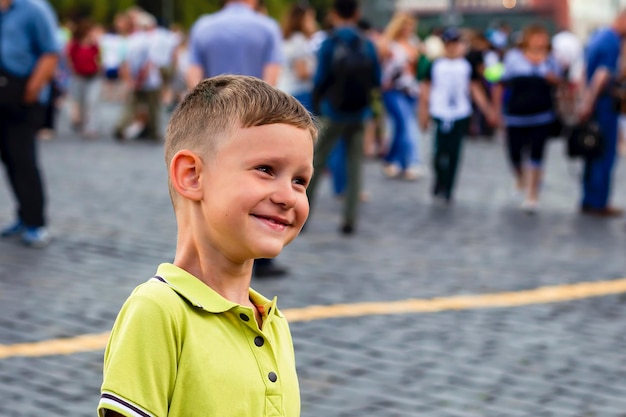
185	170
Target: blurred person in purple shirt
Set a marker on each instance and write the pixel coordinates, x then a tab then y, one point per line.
237	40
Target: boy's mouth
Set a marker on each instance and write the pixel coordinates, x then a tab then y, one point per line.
273	219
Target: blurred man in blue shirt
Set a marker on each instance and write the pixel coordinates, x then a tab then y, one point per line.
603	51
348	70
29	53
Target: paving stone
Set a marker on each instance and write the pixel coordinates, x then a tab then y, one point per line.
112	224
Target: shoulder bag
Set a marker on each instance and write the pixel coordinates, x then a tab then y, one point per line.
584	140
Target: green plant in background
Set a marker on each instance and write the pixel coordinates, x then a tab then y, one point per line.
184	12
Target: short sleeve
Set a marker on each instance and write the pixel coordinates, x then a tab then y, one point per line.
45	31
422	67
141	357
195	50
606	59
274	53
428	71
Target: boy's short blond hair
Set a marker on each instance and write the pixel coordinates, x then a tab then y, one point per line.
219	105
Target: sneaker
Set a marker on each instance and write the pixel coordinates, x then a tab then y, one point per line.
414	173
517	195
36	237
391	171
442	201
14	229
346	229
133	130
608	211
530	206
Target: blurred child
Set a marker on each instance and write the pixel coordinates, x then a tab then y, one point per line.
84	60
445	97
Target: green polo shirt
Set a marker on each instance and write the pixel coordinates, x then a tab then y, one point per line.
178	348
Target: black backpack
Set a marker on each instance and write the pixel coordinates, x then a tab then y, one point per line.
351	77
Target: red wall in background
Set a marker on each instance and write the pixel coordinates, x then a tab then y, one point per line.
558	9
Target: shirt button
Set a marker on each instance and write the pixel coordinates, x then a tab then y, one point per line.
259	341
272	377
244	317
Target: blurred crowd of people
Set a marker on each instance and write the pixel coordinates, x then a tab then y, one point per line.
521	86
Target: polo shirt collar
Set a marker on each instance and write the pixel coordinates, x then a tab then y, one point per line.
202	296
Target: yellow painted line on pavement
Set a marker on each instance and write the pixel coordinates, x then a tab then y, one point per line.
542	295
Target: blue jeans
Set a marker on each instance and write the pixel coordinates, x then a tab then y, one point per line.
338	167
598	171
401	108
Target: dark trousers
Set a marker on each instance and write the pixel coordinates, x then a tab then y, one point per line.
50	107
527	140
447	153
18	152
352	133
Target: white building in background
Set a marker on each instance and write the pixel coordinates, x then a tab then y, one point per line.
584	15
587	15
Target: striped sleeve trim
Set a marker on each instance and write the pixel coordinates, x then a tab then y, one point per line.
109	401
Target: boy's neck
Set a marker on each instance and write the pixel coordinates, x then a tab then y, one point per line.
229	280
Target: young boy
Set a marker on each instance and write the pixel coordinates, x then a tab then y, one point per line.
445	96
195	340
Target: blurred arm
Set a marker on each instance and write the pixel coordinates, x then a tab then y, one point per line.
194	76
41	75
481	101
423	105
599	81
497	94
271	73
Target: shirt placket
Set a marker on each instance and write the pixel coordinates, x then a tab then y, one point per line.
262	346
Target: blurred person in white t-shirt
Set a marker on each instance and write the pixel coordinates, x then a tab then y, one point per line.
296	77
568	51
143	79
113	47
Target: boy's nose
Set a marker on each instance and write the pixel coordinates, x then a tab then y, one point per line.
284	194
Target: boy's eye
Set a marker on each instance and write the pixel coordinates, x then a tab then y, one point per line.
264	168
301	181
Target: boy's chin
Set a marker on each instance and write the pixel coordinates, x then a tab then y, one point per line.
268	253
273	249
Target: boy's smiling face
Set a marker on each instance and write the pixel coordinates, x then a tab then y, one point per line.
254	187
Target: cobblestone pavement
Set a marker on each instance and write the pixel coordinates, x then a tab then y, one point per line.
112	224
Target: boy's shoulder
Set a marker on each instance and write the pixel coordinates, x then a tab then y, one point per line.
154	296
154	289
